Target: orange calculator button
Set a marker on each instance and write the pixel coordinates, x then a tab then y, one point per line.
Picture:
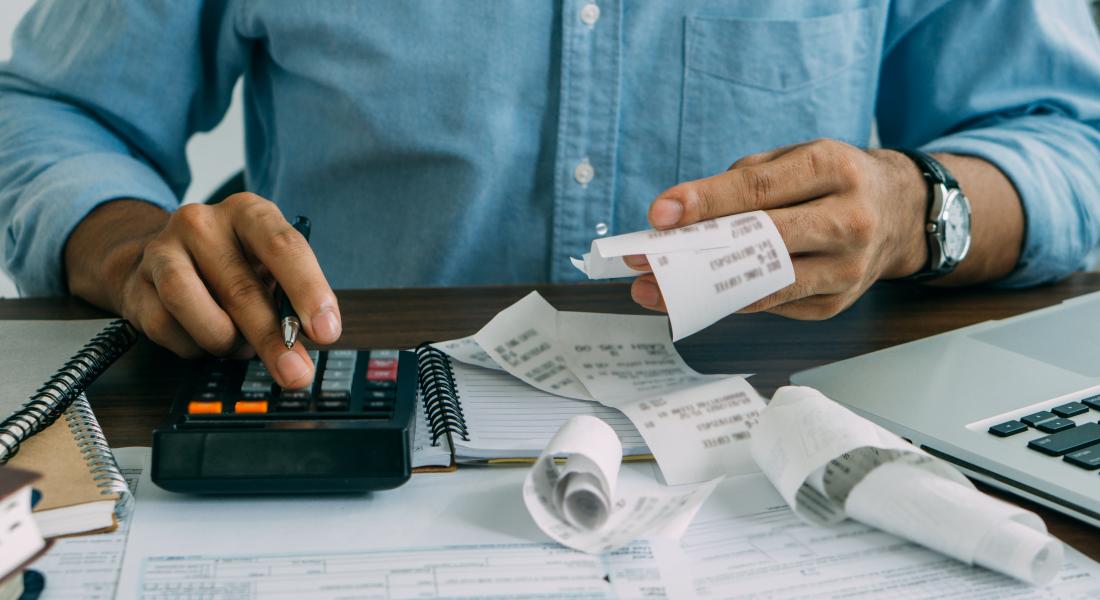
196	407
251	406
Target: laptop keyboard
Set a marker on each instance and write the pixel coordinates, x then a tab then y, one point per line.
1077	443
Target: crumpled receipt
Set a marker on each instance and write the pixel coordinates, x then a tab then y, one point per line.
829	464
575	502
706	271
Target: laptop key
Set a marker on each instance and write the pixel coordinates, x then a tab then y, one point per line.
1070	409
1093	402
1055	425
1008	428
1070	440
1089	458
1036	418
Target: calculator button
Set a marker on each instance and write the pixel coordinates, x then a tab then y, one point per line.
332	405
382	363
207	396
291	406
336	386
1070	440
343	354
1093	402
1055	425
204	408
331	373
383	353
340	364
1089	458
294	395
1008	428
1036	418
250	407
266	395
255	386
384	394
371	405
1070	409
381	384
342	395
382	374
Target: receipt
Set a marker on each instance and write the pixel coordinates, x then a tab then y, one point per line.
830	464
699	433
575	502
706	271
696	425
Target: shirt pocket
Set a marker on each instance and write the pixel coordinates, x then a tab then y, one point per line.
755	84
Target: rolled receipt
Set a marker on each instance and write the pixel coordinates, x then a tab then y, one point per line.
706	271
830	464
575	502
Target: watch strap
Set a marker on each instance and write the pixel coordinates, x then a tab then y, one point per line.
934	174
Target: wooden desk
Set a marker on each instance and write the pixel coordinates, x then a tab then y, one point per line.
133	396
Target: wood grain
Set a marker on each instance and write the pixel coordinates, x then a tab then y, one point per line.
133	396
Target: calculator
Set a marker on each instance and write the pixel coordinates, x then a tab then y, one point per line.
232	430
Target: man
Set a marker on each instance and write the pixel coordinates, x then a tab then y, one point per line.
437	143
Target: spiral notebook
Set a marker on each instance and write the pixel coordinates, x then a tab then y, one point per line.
469	414
49	426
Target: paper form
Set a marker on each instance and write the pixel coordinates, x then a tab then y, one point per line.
829	464
468	532
577	505
746	543
86	567
706	271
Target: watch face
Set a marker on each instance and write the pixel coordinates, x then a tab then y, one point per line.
956	216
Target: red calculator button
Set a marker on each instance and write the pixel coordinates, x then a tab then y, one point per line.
382	363
204	408
382	374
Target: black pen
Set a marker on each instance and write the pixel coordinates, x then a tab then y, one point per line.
288	319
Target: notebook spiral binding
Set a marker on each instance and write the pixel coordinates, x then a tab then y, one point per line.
439	395
97	453
63	394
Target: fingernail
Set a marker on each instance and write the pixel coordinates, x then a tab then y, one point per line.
666	212
326	326
645	293
636	261
292	369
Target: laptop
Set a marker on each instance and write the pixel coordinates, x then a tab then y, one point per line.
1013	403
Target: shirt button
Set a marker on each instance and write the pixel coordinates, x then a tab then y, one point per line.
584	172
601	228
590	13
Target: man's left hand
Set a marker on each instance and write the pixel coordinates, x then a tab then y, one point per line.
849	217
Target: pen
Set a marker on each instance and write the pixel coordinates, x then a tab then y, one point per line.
288	319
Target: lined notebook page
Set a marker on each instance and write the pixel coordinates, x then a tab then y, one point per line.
507	418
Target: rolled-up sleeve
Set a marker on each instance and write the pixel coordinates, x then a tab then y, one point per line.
97	104
1016	83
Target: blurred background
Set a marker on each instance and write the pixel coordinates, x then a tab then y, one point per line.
213	156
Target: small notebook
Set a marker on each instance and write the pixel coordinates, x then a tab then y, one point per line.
469	414
50	427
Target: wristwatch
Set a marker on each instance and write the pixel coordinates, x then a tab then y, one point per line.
948	224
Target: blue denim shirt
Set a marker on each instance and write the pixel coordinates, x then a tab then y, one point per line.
435	142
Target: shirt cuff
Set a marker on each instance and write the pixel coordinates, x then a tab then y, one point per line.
59	198
1054	243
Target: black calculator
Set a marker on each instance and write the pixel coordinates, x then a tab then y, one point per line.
232	430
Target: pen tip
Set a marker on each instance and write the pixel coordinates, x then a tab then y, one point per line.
290	332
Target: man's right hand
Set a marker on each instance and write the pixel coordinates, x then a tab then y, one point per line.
200	280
